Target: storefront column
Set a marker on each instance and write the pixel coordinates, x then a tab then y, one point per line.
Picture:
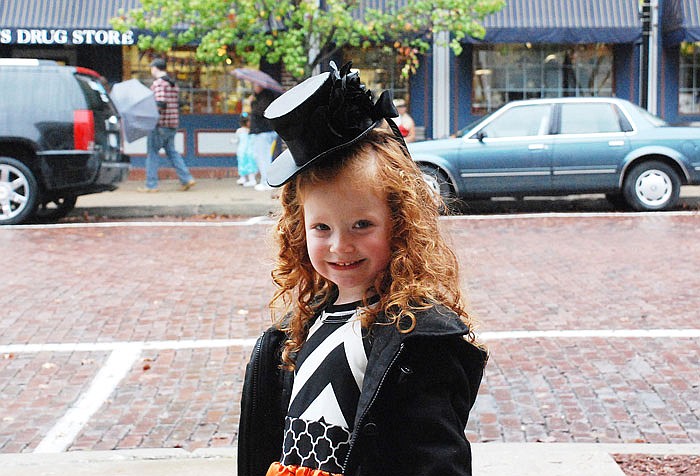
653	82
441	85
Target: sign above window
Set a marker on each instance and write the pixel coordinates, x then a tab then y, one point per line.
62	36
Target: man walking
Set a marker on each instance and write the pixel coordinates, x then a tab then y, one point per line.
167	95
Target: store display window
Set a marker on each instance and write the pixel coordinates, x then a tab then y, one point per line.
380	70
506	72
689	79
204	89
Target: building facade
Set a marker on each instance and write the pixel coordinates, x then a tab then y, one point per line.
646	52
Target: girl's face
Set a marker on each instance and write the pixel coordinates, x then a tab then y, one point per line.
348	232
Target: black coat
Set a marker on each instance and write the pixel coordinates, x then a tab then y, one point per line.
413	408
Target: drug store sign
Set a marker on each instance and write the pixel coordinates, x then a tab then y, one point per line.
60	36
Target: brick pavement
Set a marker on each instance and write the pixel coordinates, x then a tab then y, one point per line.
126	283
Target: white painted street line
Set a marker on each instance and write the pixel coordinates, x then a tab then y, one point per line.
119	363
516	216
125	354
581	334
145	224
112	346
250	341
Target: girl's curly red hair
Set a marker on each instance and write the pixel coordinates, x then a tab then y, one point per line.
422	271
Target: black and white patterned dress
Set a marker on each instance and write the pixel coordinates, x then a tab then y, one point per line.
327	382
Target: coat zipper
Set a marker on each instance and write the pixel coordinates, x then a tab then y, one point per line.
358	425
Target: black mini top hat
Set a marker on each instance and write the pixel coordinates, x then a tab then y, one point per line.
323	114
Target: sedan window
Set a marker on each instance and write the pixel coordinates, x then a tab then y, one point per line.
519	121
589	118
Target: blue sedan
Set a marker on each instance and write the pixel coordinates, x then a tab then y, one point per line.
566	146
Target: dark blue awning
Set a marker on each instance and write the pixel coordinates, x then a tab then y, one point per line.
681	21
564	21
69	14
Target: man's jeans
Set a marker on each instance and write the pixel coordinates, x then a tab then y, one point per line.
164	138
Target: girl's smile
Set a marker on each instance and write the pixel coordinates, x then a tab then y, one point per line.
347	236
346	266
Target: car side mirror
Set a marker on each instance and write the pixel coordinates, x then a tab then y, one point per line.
480	136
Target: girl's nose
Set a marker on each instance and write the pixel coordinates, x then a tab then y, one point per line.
341	243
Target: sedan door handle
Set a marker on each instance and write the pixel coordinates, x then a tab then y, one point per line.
537	146
616	143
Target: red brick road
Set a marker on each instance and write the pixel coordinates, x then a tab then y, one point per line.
114	285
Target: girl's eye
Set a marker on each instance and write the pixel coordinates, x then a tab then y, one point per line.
363	224
321	227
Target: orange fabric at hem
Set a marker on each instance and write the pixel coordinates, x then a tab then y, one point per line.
278	469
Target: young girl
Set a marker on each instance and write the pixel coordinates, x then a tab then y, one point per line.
373	368
247	168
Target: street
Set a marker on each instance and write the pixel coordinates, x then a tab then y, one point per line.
135	335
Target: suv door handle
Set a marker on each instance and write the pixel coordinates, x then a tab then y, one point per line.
537	146
616	143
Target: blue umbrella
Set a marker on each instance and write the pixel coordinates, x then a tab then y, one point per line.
137	108
258	77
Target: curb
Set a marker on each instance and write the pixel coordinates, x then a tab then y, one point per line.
490	459
235	210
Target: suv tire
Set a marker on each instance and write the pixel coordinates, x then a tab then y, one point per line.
19	192
55	209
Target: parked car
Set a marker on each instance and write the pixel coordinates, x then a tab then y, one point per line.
60	138
566	146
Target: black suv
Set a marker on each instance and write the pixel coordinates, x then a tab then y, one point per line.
59	138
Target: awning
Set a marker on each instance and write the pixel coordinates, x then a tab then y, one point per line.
63	22
681	21
565	21
61	13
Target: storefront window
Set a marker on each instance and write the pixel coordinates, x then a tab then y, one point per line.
204	89
379	70
508	72
689	81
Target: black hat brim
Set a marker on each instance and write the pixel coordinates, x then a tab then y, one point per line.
284	168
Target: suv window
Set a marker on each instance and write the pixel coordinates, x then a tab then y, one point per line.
53	95
95	93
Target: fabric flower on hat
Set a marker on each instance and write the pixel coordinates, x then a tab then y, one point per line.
350	106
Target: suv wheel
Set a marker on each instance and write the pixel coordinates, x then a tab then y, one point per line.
18	192
55	209
652	186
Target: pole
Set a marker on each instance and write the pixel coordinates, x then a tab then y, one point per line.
652	83
645	17
441	85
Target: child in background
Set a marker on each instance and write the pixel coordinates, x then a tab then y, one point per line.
372	368
247	168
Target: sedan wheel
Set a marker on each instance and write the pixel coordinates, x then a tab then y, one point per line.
436	180
652	186
18	191
439	184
